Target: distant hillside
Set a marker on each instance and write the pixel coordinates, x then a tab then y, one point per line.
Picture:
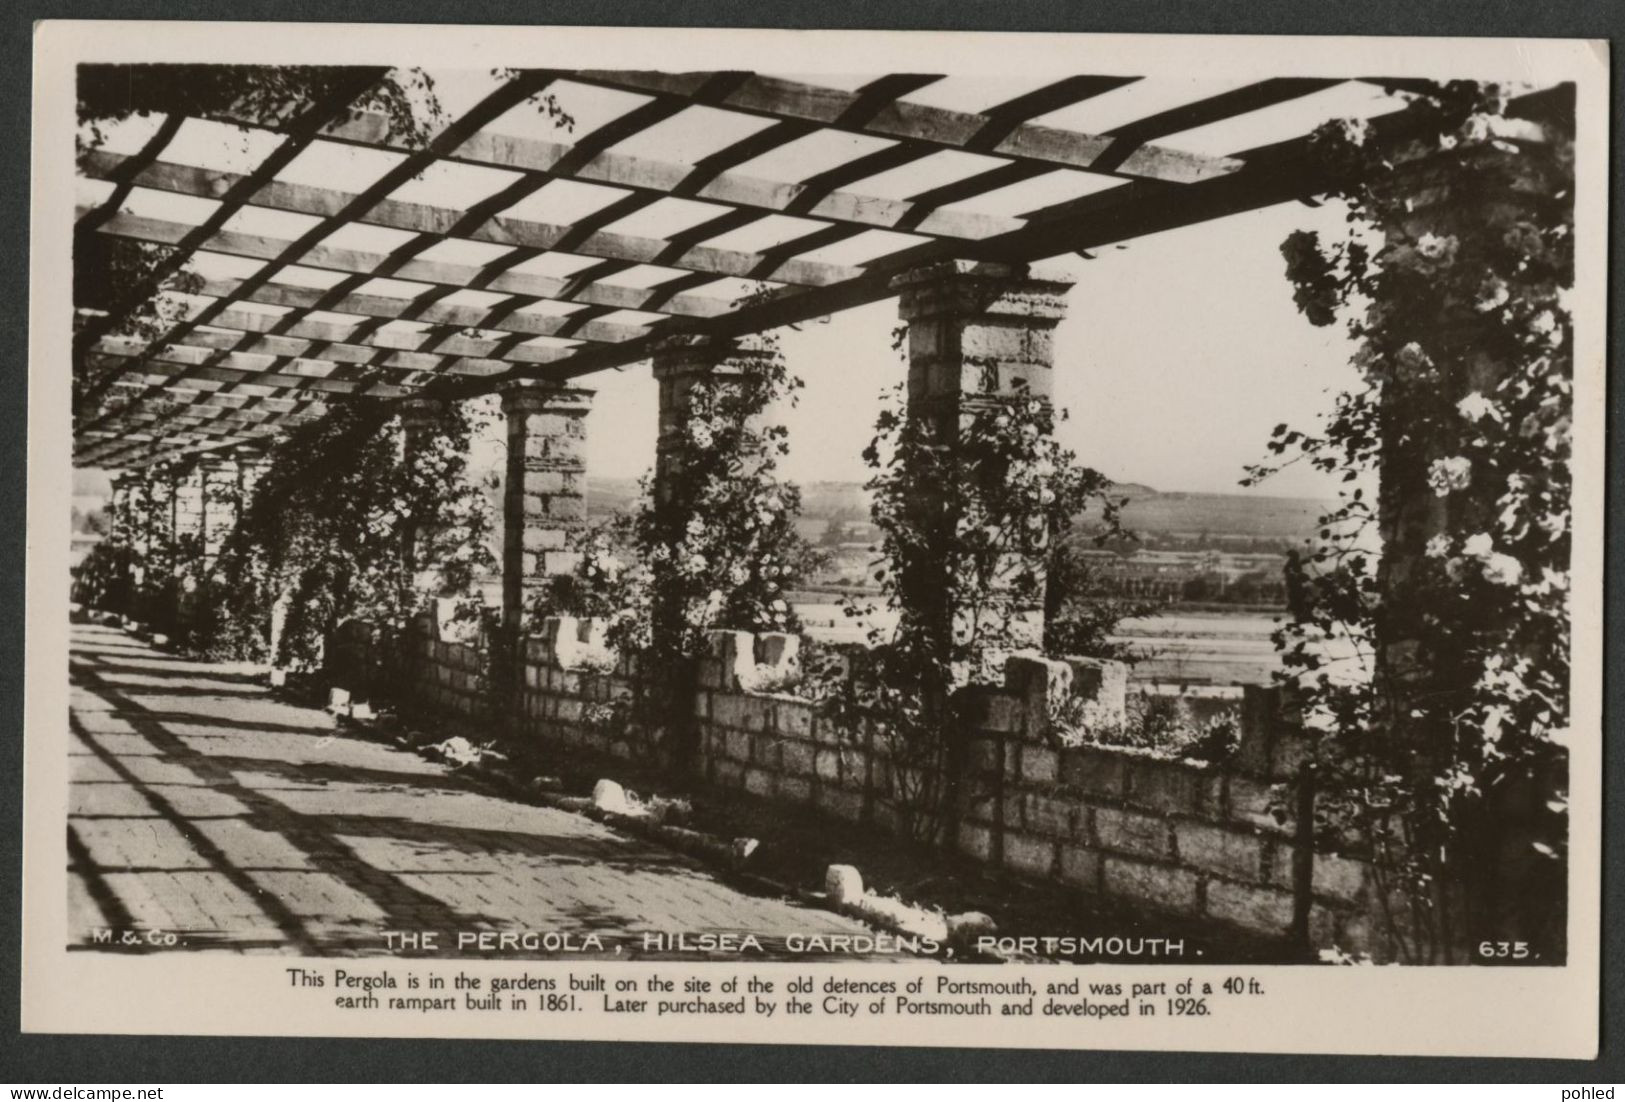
1150	512
1189	515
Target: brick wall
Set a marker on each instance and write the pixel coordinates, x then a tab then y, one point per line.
1185	837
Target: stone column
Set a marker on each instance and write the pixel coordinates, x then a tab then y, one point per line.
419	418
979	334
220	503
1455	209
186	502
679	364
545	493
120	511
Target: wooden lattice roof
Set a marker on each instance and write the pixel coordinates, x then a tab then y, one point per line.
333	259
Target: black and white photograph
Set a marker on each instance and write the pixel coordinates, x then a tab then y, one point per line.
1058	525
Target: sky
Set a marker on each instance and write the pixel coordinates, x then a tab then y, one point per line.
1177	356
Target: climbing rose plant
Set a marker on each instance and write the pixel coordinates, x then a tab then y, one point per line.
713	545
966	525
1444	746
322	538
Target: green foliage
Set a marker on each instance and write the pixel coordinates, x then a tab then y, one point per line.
968	514
1083	610
1451	281
717	546
105	577
326	534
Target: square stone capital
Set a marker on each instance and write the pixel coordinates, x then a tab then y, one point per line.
522	396
692	355
971	289
420	412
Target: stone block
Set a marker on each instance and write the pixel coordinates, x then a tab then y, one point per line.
1260	720
1030	854
843	884
537	538
759	782
1268	910
976	841
827	764
1231	853
1054	818
738	744
728	709
1251	801
1039	764
729	774
795	789
1131	832
1174	787
1335	877
840	803
1163	886
555	481
560	562
1095	772
1001	713
1291	751
702	704
796	757
735	651
794	720
757	713
1080	866
766	751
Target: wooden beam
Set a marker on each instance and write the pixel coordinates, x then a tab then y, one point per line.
938	126
500	230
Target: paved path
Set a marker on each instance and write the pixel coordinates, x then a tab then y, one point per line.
202	806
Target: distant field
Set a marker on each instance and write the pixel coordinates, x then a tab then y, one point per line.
1284	518
1197	648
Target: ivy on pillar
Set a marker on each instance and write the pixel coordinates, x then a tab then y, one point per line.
220	502
679	364
420	419
545	494
186	503
979	334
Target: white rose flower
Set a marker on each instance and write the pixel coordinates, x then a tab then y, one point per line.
1492	293
1503	569
1434	247
1450	474
1475	407
1479	546
1438	547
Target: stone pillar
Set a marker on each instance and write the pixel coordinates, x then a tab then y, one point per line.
1463	214
221	502
419	419
186	502
679	364
120	509
545	493
979	334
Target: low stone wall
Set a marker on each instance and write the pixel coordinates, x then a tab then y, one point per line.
1187	837
1184	837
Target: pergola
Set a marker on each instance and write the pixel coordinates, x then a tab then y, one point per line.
336	259
553	224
